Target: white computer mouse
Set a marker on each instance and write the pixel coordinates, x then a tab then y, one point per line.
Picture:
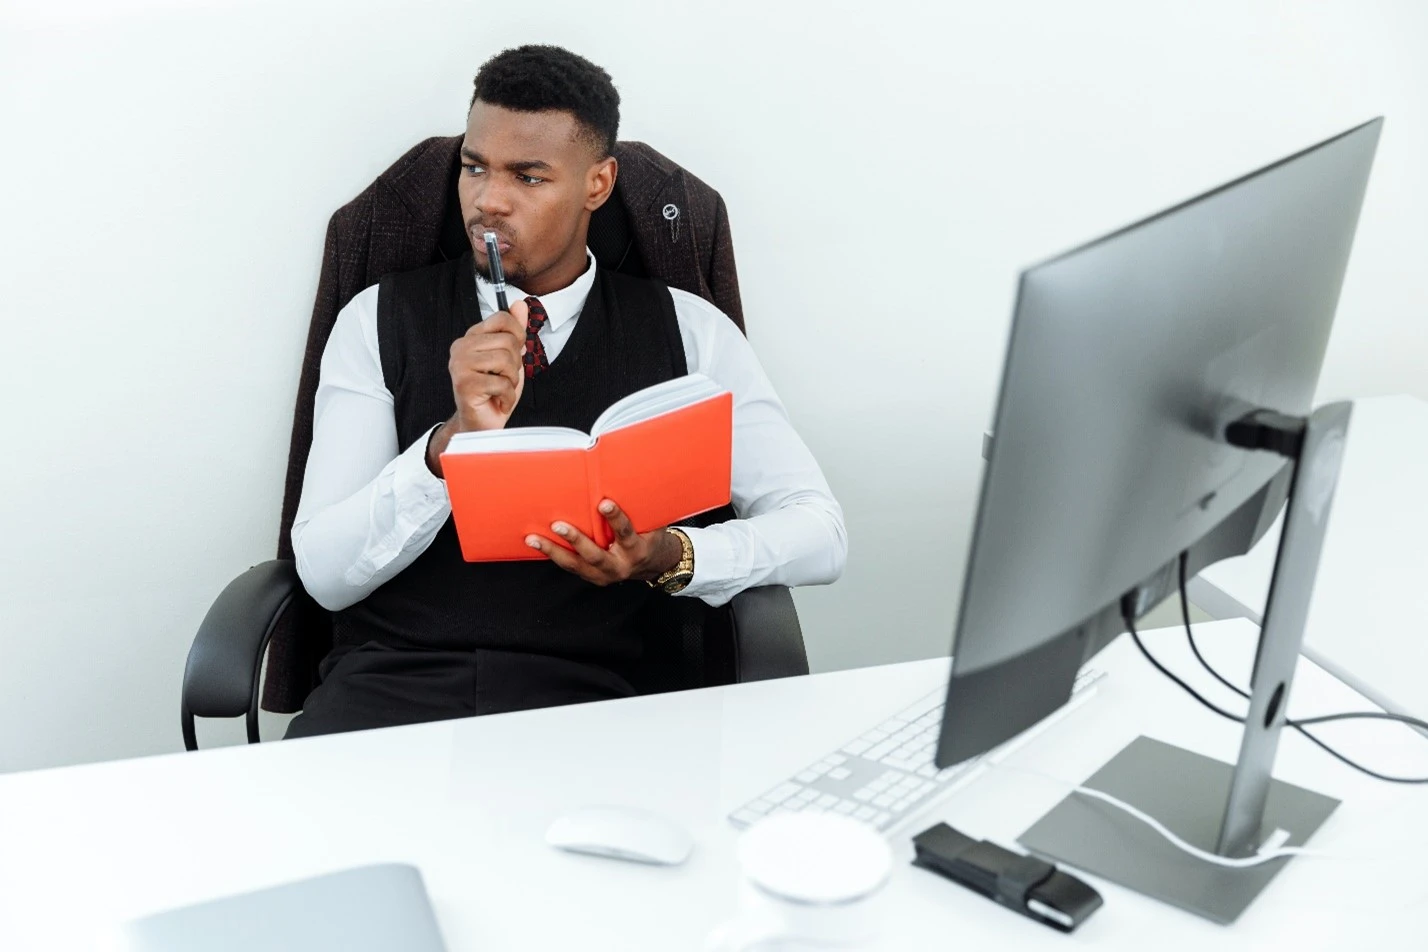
621	833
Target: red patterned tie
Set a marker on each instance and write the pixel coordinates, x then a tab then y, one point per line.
534	358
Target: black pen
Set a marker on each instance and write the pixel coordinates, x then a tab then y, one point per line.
498	277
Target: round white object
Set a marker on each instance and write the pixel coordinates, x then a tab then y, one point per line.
815	858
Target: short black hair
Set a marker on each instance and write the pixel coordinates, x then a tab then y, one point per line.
539	78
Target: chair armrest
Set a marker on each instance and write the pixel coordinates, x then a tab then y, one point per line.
225	661
768	641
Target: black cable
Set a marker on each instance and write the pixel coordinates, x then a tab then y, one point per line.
1298	724
1357	766
1190	634
1361	715
1129	619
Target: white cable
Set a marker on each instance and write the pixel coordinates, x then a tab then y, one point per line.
1265	854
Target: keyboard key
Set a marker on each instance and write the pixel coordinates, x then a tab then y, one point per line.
882	750
782	792
932	701
905	744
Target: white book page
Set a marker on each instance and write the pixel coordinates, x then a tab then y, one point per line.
519	439
639	406
656	401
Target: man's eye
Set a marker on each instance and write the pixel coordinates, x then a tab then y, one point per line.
473	169
529	179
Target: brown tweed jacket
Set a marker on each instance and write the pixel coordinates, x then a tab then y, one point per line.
396	224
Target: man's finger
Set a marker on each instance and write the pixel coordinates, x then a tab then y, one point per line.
487	384
562	557
503	361
625	534
521	311
499	323
488	343
582	545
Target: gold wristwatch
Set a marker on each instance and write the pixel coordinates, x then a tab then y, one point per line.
679	577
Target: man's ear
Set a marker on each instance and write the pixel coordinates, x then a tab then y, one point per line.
600	183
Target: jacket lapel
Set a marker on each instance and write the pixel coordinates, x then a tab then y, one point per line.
407	213
649	185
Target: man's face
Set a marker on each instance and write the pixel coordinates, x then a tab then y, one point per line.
533	179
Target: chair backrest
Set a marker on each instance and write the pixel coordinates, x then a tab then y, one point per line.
687	643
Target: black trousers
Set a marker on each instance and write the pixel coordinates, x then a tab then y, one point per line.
378	685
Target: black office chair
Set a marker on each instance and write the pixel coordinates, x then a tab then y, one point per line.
687	643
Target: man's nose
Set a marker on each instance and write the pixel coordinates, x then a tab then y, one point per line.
493	199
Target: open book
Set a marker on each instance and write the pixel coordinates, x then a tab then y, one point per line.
663	454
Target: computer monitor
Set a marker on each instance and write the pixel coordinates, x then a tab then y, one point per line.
1129	358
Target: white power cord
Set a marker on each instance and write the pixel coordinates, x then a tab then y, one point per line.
1271	849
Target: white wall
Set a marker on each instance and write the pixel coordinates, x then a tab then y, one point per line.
168	169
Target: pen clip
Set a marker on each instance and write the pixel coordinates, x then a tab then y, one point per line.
498	275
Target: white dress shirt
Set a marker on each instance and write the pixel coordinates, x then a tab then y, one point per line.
369	507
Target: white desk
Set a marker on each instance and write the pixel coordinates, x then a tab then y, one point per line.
1368	618
468	802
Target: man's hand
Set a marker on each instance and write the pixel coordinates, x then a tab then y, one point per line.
487	378
631	556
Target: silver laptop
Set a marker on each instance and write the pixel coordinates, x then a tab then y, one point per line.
367	909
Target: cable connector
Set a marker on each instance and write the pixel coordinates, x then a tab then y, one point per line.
1268	430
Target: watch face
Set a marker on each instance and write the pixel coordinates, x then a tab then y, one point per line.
678	583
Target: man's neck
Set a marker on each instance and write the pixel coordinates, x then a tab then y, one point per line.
561	275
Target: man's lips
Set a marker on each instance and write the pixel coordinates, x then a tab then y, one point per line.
478	239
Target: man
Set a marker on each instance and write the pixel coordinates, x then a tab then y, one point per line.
422	635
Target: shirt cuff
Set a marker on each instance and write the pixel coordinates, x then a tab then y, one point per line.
412	478
718	572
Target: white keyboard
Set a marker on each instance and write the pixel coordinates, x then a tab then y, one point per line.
886	774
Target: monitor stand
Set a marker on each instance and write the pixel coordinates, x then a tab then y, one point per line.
1224	809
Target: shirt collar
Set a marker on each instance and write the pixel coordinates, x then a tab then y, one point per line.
560	306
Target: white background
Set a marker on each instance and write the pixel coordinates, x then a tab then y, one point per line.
167	169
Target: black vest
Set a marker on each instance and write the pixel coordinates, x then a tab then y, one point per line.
627	338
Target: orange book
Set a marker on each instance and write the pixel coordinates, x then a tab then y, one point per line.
663	454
